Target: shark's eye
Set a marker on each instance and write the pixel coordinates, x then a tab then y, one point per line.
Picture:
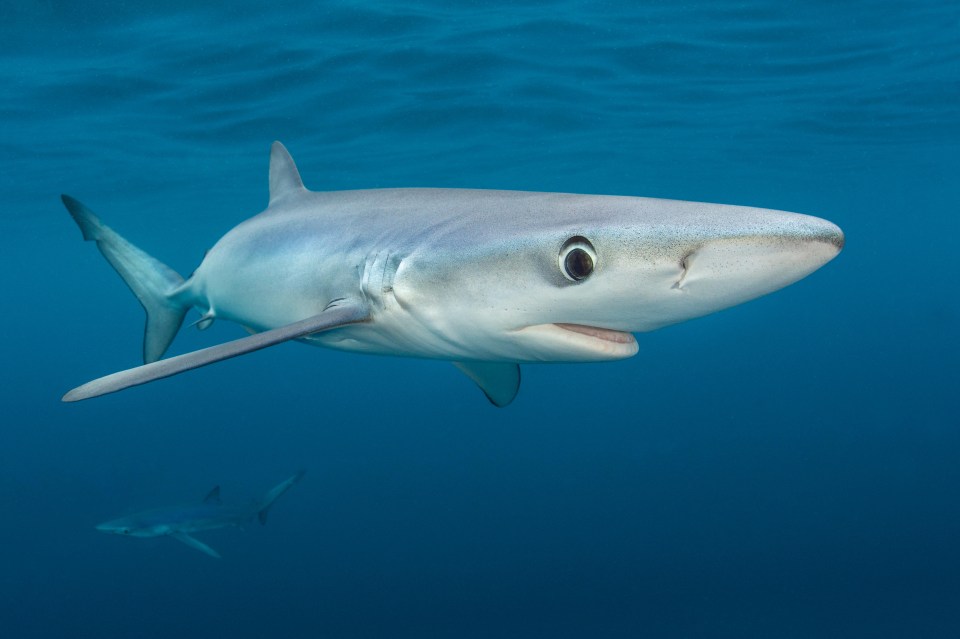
577	258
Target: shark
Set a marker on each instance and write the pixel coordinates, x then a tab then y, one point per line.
486	279
180	522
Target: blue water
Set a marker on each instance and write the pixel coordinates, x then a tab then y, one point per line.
785	468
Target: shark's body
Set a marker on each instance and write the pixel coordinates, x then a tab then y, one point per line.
487	279
181	522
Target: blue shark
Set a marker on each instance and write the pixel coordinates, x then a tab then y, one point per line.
180	522
485	279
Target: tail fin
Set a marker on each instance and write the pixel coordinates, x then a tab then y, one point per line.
274	493
151	281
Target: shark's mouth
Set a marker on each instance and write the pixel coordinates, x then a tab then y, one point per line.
605	334
577	343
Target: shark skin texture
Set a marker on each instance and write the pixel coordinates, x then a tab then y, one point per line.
485	279
180	522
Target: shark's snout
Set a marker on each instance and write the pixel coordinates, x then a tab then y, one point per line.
114	528
725	271
805	231
728	257
830	233
816	242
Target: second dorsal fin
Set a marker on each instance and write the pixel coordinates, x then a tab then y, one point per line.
284	176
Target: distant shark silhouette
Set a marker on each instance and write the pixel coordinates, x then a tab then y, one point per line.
179	522
485	279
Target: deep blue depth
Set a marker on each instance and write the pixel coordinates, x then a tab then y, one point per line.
786	468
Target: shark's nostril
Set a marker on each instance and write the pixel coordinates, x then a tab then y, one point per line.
685	262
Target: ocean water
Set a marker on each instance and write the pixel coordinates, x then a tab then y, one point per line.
784	468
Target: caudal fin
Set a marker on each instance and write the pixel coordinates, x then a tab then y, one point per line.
275	493
150	280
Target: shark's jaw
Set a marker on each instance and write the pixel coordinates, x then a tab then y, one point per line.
577	342
603	334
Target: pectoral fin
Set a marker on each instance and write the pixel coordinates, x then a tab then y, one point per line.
334	316
195	543
499	381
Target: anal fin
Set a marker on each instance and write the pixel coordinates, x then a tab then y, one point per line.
499	381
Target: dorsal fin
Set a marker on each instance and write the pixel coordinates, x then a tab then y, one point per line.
284	176
213	497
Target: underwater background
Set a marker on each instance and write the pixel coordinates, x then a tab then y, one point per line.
786	468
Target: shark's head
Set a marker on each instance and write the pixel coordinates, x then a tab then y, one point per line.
131	526
573	276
